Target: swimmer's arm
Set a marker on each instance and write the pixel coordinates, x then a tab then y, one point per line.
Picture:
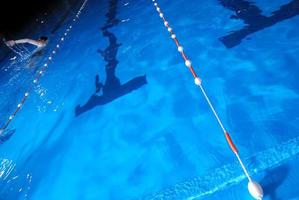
30	41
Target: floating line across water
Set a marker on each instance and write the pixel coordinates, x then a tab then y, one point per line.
41	72
253	187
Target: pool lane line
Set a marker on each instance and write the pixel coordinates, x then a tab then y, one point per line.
254	188
43	69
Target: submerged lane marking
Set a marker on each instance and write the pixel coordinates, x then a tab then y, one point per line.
227	175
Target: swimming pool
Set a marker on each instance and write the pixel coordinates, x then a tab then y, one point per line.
116	115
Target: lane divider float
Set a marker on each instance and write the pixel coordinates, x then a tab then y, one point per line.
254	188
42	71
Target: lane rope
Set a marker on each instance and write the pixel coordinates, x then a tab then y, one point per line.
254	188
45	66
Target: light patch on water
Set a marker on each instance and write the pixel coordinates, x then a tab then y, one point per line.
6	168
10	182
46	101
125	20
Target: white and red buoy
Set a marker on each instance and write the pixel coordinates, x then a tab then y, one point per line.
254	188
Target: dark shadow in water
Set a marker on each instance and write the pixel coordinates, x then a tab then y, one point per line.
252	16
34	60
5	135
273	179
4	52
112	88
69	9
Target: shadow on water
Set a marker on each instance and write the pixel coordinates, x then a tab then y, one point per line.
253	18
68	6
112	88
273	179
5	135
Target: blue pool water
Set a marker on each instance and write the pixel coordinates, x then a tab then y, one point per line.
117	115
